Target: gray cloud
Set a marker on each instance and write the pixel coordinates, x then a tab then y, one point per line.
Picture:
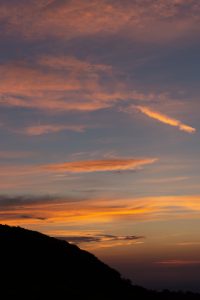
15	202
32	217
99	238
9	216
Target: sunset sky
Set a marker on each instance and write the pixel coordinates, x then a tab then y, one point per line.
100	128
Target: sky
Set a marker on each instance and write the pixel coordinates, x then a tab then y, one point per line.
99	129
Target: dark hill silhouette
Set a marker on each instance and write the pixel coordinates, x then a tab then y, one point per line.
35	266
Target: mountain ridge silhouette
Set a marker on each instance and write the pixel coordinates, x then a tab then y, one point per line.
36	266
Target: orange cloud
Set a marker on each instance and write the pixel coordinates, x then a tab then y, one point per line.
73	64
142	19
165	119
67	210
188	244
100	165
100	240
18	176
177	262
60	84
65	83
84	166
51	128
26	86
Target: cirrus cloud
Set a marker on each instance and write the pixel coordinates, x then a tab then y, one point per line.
178	262
78	239
141	20
165	119
69	210
105	165
51	128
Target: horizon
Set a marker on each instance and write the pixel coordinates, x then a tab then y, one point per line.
100	131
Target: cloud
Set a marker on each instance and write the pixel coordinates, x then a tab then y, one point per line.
165	119
26	176
165	180
141	20
13	202
73	64
68	210
32	87
105	165
188	244
32	217
177	262
62	84
30	209
83	166
99	238
51	128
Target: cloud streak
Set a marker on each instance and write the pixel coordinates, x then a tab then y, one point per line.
99	238
42	129
30	175
165	119
91	242
105	165
177	262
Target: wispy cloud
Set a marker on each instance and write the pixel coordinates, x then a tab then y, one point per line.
65	84
144	20
71	63
177	262
18	176
188	244
99	238
91	242
83	166
25	200
161	180
165	119
42	129
49	89
62	84
81	211
105	165
51	175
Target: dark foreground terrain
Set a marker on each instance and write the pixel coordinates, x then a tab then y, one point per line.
35	266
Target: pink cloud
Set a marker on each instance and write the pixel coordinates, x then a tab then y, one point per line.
146	20
100	165
51	128
63	84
